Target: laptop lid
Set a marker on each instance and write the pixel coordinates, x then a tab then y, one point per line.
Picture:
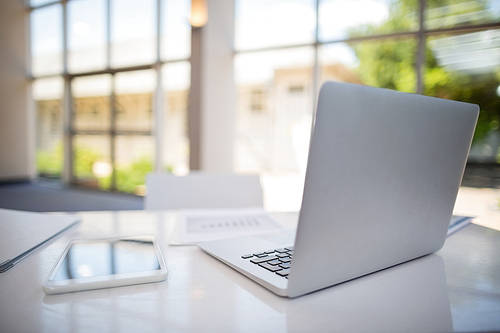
383	173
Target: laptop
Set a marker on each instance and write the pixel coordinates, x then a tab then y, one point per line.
383	172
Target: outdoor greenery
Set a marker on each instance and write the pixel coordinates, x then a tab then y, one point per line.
133	175
128	177
50	163
391	64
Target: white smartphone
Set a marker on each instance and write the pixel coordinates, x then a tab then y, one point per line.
105	263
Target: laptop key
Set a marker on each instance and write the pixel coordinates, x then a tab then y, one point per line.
285	259
285	265
274	262
283	272
270	252
261	255
246	256
281	250
264	259
282	255
270	267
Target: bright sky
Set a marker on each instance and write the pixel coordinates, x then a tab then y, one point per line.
278	22
258	23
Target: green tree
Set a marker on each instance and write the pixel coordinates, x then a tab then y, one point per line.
391	64
130	177
84	159
49	162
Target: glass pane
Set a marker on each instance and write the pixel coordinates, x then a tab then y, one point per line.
467	68
46	40
91	161
134	100
341	19
274	110
47	95
134	160
274	106
176	78
91	104
132	28
87	35
379	63
176	31
261	23
440	14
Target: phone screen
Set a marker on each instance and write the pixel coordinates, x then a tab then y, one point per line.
107	257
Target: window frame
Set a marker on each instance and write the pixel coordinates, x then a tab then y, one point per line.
420	35
159	107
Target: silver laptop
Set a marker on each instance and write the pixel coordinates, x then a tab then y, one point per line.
382	177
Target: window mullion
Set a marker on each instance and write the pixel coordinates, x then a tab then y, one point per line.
158	107
108	34
420	56
316	65
67	105
112	140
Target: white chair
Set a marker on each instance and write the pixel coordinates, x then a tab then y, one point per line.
202	190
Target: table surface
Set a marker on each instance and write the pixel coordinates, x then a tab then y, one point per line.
457	289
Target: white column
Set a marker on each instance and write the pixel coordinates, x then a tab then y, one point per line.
16	123
67	170
218	89
214	146
67	114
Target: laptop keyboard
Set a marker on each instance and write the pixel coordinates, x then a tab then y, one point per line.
276	261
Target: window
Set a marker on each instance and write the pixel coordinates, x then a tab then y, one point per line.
132	32
46	38
387	63
257	100
441	14
86	35
345	19
47	95
466	67
267	141
91	103
176	144
97	67
296	89
263	23
133	101
286	49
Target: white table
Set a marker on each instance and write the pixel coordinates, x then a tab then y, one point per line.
457	289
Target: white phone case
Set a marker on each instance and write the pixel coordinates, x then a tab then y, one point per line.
108	281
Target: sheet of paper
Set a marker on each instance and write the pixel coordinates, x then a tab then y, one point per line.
195	226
